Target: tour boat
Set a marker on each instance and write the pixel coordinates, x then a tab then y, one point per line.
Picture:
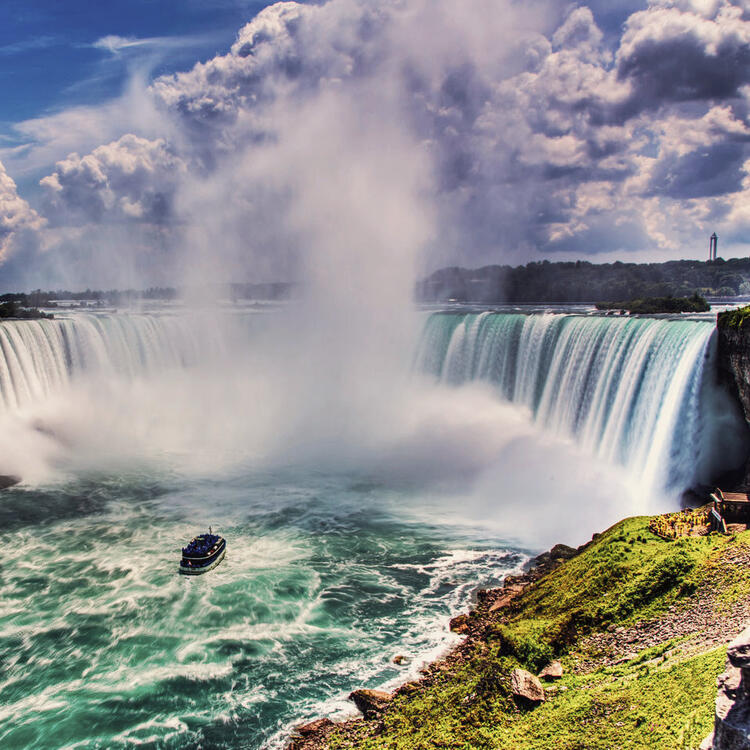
203	553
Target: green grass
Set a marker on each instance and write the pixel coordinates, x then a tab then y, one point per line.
667	706
627	574
733	318
659	699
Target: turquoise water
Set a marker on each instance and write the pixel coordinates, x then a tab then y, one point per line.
362	504
104	645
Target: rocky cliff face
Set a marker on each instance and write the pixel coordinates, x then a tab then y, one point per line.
732	722
733	362
733	358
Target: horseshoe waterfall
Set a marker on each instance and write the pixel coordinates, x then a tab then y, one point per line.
640	392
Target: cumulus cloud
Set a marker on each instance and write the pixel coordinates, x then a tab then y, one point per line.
17	218
538	131
131	179
669	54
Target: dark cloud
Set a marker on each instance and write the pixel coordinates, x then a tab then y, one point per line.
668	55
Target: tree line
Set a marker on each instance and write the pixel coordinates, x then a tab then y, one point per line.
585	282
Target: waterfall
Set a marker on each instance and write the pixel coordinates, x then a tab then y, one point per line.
39	357
638	392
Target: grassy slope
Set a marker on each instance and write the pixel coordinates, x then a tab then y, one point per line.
660	698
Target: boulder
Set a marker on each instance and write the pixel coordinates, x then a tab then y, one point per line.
400	659
562	552
526	687
409	687
314	727
553	671
371	702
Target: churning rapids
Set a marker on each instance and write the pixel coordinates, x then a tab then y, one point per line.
362	502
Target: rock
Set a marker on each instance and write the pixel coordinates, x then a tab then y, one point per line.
738	651
562	551
526	686
8	480
409	687
553	671
505	599
314	727
371	702
460	624
732	713
483	595
401	659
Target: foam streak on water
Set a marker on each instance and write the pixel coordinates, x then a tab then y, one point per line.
104	645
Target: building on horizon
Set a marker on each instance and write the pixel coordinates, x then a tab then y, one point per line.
713	244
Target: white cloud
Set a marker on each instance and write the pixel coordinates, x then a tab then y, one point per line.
16	216
129	179
539	137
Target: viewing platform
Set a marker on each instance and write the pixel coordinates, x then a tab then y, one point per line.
733	506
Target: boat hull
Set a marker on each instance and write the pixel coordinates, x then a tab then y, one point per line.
196	570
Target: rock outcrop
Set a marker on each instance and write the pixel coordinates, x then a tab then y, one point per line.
525	687
553	671
733	363
314	730
733	358
371	702
732	720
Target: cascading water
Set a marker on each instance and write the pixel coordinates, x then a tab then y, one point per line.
633	391
38	357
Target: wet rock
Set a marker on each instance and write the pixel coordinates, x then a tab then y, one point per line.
371	702
313	727
8	480
400	659
460	624
311	735
525	687
553	671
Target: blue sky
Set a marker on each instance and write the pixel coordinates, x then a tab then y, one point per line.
144	140
49	61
